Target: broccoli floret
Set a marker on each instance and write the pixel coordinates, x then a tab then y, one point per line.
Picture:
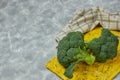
72	40
104	47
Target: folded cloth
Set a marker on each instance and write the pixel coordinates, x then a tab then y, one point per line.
87	19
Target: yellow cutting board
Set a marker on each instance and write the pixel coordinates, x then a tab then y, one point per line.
97	71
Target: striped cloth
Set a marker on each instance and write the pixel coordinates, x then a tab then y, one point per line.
87	19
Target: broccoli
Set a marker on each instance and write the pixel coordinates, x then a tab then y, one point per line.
104	47
72	49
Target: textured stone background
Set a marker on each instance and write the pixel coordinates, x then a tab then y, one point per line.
27	32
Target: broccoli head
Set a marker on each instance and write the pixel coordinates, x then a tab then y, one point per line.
71	50
104	47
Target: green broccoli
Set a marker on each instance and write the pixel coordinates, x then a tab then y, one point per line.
72	49
104	47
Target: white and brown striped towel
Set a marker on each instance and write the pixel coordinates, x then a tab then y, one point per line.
87	19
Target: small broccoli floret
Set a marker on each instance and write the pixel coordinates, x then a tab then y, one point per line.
104	47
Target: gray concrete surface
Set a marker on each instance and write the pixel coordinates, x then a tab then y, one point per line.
27	32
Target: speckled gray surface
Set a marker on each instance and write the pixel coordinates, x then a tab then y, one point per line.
27	32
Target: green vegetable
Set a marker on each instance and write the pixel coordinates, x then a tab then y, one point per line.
72	40
70	69
104	47
72	49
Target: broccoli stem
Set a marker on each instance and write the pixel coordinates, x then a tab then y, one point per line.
69	71
85	56
82	56
90	59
